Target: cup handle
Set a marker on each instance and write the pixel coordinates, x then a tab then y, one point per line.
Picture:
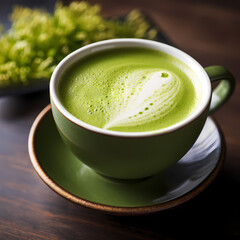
224	89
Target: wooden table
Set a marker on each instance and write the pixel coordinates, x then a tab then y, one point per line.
207	30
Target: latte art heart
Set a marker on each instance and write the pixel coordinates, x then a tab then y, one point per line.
155	96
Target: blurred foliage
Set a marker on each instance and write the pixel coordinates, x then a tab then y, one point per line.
38	40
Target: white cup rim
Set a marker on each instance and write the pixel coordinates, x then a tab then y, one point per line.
120	43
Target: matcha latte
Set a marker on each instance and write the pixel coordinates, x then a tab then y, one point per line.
130	90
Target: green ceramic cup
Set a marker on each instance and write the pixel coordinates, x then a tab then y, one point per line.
136	155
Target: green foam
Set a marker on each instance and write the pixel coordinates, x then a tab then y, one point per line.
130	89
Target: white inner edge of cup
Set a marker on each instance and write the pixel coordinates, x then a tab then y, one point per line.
121	43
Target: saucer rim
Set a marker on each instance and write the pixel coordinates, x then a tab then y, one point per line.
115	210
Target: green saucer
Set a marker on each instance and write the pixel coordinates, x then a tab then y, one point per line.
67	176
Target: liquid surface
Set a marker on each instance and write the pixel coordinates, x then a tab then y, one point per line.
130	90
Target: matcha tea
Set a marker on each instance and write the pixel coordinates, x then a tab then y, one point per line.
130	90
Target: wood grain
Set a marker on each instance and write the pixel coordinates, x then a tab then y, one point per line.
207	30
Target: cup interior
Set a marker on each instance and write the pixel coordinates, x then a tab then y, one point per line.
126	43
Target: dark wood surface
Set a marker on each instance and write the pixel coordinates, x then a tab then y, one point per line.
207	30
